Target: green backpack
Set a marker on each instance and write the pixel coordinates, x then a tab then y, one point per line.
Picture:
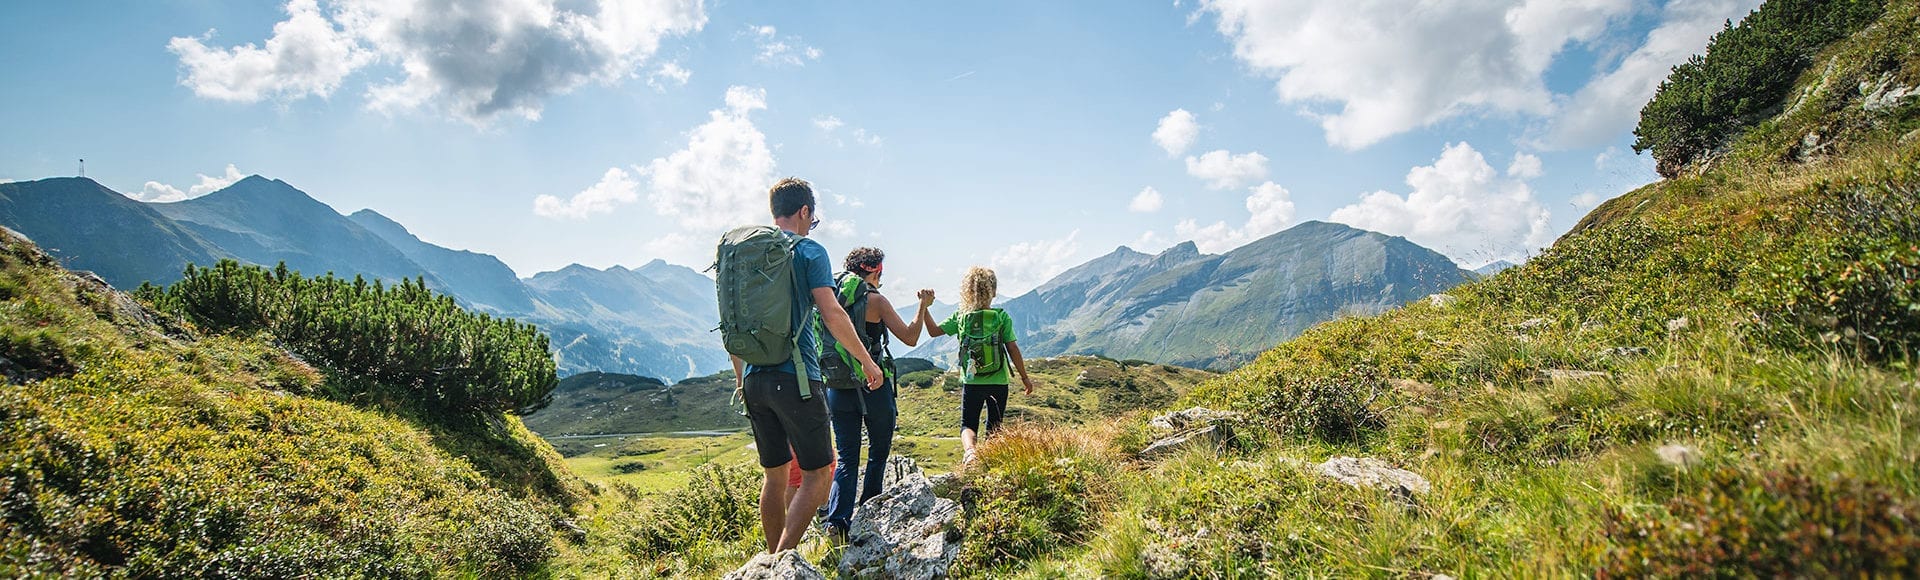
837	364
983	345
756	283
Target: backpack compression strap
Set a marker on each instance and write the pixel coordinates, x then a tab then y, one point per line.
799	283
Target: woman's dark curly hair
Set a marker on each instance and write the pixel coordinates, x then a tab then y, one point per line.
863	261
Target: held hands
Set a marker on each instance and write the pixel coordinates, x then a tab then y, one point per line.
926	298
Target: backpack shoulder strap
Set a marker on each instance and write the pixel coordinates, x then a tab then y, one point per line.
800	289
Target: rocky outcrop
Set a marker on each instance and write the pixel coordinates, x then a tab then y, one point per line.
905	532
1366	472
1198	425
786	565
1191	418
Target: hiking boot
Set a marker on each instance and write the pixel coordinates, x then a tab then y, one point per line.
836	533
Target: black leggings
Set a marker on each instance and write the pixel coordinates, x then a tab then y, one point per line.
972	397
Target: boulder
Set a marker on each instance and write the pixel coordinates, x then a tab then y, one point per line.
782	566
1192	418
1441	300
1369	472
905	532
1216	435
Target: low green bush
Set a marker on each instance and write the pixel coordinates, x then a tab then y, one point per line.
1853	273
1779	523
718	505
1337	409
922	379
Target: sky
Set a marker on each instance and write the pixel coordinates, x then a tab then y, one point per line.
1024	136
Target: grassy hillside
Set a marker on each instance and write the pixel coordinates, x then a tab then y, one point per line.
1711	375
131	445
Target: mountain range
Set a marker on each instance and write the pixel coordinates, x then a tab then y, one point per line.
651	321
1179	306
1217	311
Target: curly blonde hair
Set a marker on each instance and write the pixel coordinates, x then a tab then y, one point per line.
977	289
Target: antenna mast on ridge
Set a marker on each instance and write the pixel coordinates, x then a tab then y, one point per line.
83	168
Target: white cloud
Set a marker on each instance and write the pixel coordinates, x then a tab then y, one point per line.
475	59
1269	209
1223	170
1026	265
720	179
307	55
668	74
156	192
777	50
1388	67
1610	104
1459	206
615	188
1176	132
1147	201
838	229
848	201
1525	167
830	125
681	248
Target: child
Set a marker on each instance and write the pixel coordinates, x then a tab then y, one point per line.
987	344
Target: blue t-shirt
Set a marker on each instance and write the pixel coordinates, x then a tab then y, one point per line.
813	269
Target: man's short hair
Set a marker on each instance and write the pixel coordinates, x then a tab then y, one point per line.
788	196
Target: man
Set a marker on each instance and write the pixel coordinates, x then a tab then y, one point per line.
781	419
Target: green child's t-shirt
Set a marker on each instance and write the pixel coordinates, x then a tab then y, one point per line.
951	326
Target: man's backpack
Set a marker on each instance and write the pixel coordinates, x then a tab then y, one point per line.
838	366
983	345
756	283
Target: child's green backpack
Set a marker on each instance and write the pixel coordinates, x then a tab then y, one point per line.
983	345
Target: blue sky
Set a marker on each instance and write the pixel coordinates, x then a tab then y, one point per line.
1021	135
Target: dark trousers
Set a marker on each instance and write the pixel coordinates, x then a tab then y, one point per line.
851	409
973	398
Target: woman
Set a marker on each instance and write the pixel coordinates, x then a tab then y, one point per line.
987	345
873	408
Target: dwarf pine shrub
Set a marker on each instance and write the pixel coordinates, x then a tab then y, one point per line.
404	337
